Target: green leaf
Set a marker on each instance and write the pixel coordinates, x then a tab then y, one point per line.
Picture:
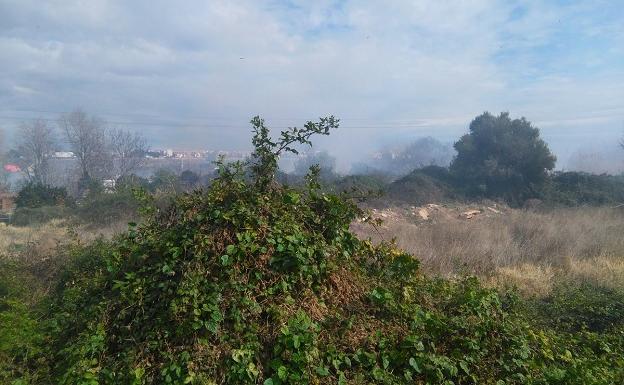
385	361
414	364
378	373
296	341
282	373
322	371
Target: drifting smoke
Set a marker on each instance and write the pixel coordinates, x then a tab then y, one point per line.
598	160
402	160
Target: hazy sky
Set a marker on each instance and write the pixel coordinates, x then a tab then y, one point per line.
192	73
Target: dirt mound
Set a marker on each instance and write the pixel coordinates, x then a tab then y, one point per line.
434	212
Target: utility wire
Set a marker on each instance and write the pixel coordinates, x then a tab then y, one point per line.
219	125
380	121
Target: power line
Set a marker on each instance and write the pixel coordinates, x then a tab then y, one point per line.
409	121
220	125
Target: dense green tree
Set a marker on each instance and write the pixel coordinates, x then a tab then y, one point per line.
502	157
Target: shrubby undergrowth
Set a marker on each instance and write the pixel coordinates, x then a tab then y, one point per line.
251	282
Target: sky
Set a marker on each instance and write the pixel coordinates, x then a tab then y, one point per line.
191	74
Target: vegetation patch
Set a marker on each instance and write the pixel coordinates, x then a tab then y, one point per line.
251	282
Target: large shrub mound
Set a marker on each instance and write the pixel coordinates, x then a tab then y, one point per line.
250	282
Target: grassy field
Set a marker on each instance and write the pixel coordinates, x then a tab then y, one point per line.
531	250
509	247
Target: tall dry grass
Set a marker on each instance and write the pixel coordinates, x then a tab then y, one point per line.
41	240
32	241
37	253
524	248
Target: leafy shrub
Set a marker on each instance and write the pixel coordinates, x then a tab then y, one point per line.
574	307
361	184
103	208
579	188
426	185
131	181
37	195
21	335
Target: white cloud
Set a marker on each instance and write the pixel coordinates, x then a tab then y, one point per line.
431	65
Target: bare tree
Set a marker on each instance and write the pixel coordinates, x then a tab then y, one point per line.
86	136
35	143
128	150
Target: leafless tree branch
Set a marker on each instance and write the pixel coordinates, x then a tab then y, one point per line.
34	145
86	137
128	149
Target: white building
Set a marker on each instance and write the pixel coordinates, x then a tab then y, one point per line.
64	154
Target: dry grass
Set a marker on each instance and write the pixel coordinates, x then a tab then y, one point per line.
41	241
526	249
35	254
518	247
32	241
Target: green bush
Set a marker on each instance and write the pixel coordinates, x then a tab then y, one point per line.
131	181
103	208
427	185
579	188
363	184
21	334
37	195
584	306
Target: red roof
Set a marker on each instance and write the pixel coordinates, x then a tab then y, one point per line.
12	167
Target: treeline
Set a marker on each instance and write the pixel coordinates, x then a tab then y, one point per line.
99	150
500	158
100	204
437	184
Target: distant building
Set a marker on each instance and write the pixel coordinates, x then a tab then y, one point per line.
64	154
